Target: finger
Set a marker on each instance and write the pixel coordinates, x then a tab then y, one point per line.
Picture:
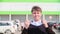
27	17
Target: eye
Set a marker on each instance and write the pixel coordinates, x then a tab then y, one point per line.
34	12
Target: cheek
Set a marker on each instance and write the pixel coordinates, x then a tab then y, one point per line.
39	15
33	15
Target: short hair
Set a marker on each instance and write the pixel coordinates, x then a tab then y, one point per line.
36	8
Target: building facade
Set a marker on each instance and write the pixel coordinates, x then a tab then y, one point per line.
21	9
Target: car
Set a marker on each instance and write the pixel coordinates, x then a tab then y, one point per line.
55	25
58	27
18	24
50	24
7	28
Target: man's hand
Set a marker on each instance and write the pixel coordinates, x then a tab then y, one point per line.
45	23
27	23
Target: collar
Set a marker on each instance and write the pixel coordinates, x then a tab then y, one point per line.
38	23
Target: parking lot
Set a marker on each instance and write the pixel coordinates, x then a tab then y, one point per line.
56	31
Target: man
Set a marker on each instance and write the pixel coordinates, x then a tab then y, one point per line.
37	25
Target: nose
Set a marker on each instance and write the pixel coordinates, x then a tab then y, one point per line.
36	14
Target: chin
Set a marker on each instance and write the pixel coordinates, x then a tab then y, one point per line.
36	19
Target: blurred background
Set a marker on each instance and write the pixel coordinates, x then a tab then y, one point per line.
20	10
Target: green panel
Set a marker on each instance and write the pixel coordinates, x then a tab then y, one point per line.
51	13
20	12
4	12
28	12
29	1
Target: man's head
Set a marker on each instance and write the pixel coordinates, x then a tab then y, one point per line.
36	12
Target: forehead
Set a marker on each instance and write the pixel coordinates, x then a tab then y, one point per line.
36	11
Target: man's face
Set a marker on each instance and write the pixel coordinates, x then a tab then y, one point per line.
36	15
